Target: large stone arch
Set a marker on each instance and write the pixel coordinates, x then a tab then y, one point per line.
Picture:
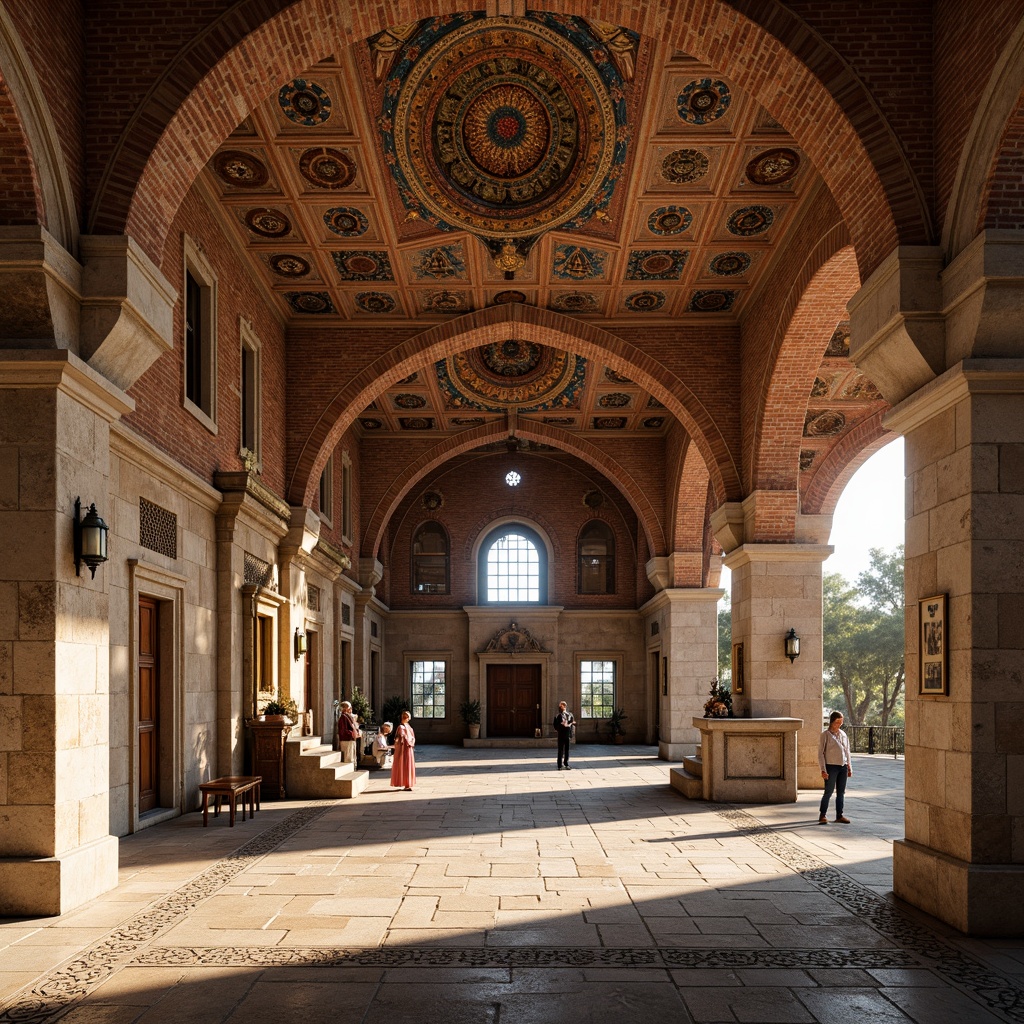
687	537
766	49
406	477
818	302
37	186
492	324
998	127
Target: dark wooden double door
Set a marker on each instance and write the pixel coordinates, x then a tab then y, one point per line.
513	700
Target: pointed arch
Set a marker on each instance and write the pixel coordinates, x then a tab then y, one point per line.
407	477
762	46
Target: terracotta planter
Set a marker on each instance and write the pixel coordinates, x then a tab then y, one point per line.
474	731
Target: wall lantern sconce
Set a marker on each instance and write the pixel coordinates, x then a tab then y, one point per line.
792	646
300	643
90	539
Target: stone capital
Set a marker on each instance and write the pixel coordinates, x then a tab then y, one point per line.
796	553
897	328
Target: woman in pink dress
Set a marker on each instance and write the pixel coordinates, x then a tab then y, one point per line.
403	769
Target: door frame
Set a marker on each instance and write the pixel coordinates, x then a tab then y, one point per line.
524	662
168	590
542	658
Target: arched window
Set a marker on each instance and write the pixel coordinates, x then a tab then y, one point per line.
430	560
596	559
513	566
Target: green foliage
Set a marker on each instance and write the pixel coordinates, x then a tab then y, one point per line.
719	702
469	710
864	642
615	720
281	707
393	708
725	641
361	706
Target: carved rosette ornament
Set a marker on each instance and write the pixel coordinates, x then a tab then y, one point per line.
505	127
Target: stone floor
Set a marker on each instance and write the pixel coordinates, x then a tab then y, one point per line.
503	891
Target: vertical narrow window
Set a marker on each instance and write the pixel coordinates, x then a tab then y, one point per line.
428	689
200	340
326	492
596	559
430	560
597	689
250	442
346	497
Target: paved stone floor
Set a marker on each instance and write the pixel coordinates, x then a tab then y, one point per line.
503	891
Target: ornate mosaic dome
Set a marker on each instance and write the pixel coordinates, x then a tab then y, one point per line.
509	373
505	127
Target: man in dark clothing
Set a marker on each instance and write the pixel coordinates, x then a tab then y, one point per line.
564	724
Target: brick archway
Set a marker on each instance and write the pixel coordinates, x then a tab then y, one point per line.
818	301
406	478
767	50
489	325
687	535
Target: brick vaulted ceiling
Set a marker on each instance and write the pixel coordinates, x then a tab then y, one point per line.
463	162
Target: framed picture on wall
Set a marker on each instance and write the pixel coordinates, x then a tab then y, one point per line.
737	668
934	679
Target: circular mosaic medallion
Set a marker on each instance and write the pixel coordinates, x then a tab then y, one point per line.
502	298
432	501
711	302
645	302
305	103
615	400
371	424
289	265
444	302
703	101
416	423
669	220
310	302
504	127
656	264
327	168
775	167
729	264
346	221
653	422
410	401
511	358
684	166
615	377
268	223
750	220
609	422
375	302
361	264
575	302
468	421
242	170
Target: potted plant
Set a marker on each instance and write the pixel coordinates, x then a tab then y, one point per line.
284	711
469	710
615	726
361	706
719	702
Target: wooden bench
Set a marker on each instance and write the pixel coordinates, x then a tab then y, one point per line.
232	787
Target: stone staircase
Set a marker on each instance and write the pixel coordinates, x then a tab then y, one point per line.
689	779
313	770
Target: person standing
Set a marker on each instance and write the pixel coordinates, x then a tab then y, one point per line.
564	724
834	762
348	732
403	767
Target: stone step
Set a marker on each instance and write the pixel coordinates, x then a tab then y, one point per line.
689	785
313	770
694	765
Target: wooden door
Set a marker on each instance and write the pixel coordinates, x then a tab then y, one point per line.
513	700
148	705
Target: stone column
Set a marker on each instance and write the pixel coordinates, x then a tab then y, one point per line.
688	625
775	588
55	415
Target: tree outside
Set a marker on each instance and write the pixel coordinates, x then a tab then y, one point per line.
864	642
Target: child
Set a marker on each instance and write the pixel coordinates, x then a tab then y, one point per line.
380	744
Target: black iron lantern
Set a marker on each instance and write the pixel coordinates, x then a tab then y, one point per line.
792	646
90	538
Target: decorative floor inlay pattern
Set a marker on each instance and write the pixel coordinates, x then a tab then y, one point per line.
74	979
524	957
994	990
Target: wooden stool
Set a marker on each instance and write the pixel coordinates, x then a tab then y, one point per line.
232	787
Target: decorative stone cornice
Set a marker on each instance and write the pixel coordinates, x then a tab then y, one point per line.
682	595
777	553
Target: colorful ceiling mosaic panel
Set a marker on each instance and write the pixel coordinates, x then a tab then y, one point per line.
712	301
577	263
305	103
774	167
346	221
703	101
656	265
644	302
360	265
669	220
310	302
443	262
376	302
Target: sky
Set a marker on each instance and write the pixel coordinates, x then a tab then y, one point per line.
869	514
